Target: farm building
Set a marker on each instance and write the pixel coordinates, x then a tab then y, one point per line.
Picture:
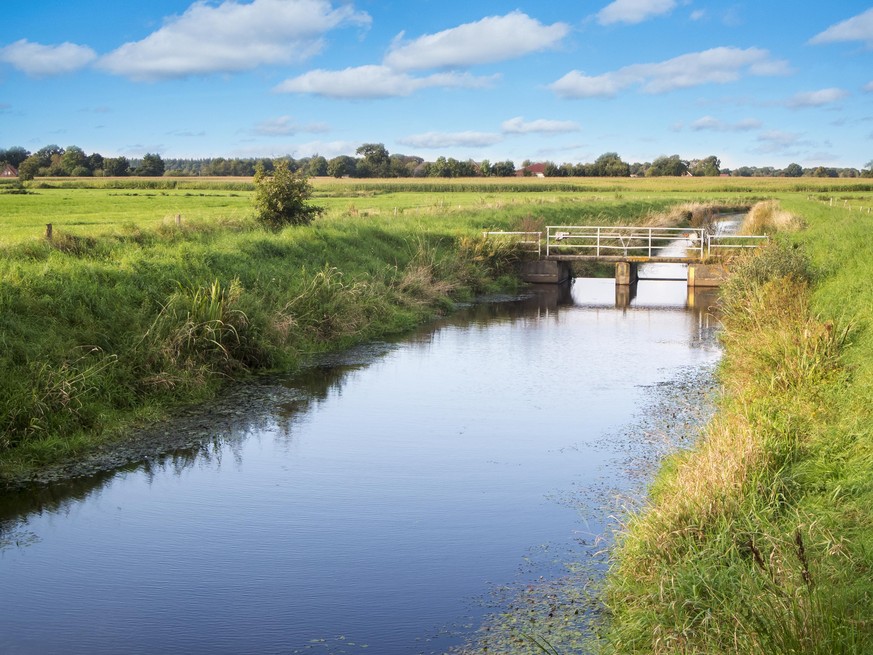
534	170
8	170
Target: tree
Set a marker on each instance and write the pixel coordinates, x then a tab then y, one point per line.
317	166
341	166
151	166
73	158
376	159
503	169
709	167
14	155
281	199
609	164
29	168
116	166
45	154
794	170
663	166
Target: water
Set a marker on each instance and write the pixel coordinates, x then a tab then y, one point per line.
369	506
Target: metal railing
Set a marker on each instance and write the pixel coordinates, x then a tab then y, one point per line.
619	241
532	240
722	242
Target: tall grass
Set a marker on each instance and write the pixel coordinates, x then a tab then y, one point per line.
96	327
767	217
757	540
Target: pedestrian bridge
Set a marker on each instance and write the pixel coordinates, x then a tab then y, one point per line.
628	246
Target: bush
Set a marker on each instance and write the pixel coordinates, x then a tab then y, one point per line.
280	199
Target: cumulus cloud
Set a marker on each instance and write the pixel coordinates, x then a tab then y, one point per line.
374	82
817	98
436	140
714	66
710	123
285	125
633	11
492	39
857	28
231	37
39	60
518	125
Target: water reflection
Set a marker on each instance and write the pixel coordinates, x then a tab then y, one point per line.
372	497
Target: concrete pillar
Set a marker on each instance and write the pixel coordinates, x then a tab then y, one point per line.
624	294
626	273
706	275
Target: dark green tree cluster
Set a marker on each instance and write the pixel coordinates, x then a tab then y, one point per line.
54	161
374	160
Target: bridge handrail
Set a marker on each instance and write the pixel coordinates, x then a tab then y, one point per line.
602	238
754	241
642	241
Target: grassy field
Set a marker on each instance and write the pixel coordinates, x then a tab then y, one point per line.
757	540
97	206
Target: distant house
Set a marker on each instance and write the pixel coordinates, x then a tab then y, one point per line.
534	170
8	170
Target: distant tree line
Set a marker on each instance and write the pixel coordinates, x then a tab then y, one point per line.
374	160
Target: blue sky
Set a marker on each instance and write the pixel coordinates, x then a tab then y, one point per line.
754	83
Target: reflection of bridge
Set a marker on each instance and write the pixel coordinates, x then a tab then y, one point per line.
627	247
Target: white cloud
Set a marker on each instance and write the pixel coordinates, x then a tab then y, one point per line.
698	14
374	82
868	87
492	39
779	142
817	98
858	28
518	125
714	66
285	125
713	124
231	37
39	60
633	11
328	149
436	140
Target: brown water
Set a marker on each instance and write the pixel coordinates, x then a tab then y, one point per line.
370	505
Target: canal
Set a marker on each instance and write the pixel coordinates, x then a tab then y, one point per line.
372	504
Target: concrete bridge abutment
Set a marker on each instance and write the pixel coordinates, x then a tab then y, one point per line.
546	271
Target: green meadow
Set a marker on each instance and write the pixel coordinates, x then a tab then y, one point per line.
758	539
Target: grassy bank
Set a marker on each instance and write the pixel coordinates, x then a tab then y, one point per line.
101	331
760	539
125	312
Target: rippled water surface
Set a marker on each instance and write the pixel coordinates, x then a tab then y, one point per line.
367	506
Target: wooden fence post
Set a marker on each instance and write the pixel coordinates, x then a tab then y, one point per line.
48	231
